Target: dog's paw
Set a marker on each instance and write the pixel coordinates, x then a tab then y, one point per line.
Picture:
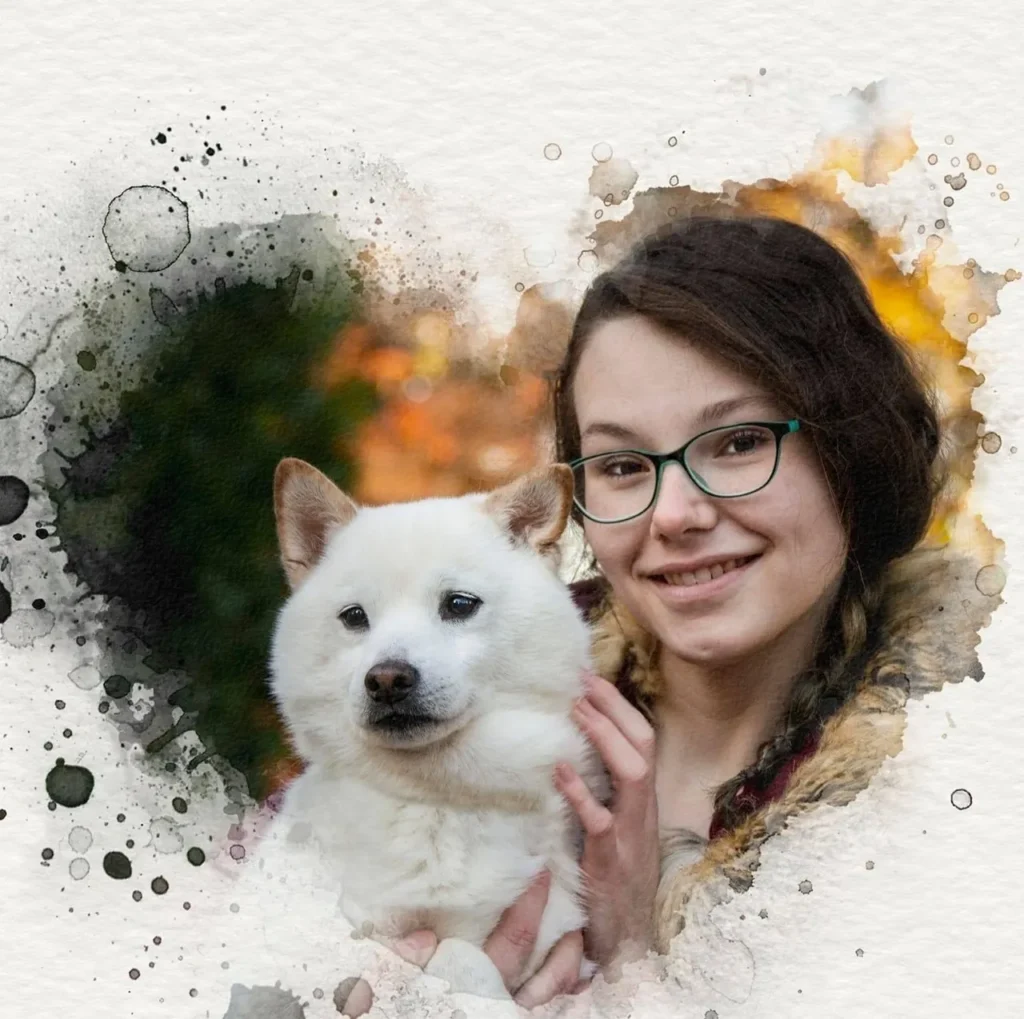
467	969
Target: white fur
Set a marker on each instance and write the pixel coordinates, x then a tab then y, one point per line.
448	832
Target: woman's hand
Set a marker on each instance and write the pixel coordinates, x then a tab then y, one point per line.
510	946
621	856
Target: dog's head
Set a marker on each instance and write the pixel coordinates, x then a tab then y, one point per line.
407	622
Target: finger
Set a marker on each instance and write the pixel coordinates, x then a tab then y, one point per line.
623	760
416	947
606	698
511	942
559	974
597	819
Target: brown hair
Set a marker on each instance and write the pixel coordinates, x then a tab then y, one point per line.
776	303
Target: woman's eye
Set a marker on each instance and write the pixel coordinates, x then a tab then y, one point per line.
354	618
743	442
458	605
621	468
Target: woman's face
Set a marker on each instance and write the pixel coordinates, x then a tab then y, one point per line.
640	387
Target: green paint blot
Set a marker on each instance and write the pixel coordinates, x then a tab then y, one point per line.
86	360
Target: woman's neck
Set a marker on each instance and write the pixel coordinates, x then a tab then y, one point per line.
712	720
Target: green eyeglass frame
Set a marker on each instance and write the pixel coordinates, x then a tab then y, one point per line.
780	429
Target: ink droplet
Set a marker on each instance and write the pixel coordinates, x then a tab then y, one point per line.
860	952
117	865
137	896
601	152
159	885
991	442
587	261
133	973
973	161
933	159
353	996
47	854
80	839
961	799
949	139
237	852
673	180
69	785
552	151
990	580
13	498
673	141
870	865
179	804
805	887
195	856
116	687
78	868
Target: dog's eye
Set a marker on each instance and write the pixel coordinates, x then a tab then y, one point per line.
457	605
354	618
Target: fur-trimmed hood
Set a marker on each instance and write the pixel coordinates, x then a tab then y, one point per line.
930	616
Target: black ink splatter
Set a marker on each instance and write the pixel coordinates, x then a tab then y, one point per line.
69	785
5	604
159	886
13	498
179	805
196	856
117	865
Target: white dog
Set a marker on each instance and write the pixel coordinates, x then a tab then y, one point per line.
426	664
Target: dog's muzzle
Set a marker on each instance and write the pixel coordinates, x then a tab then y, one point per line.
395	704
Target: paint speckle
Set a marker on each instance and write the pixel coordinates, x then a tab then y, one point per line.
117	865
133	973
673	141
179	805
869	865
587	260
859	953
710	1014
78	868
961	799
165	835
973	161
159	885
17	387
85	677
601	152
949	139
612	181
5	604
552	151
47	854
69	785
196	856
1004	196
762	71
13	498
673	180
956	183
991	442
353	996
80	839
990	580
805	887
237	852
86	360
990	169
933	159
137	896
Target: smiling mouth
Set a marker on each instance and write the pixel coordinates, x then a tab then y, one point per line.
704	575
398	723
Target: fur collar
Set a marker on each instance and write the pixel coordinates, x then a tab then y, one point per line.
930	618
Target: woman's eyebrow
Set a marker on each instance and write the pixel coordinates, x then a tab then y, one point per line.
709	415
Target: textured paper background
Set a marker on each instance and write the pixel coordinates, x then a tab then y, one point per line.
459	101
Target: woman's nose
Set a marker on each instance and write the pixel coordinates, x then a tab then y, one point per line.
681	506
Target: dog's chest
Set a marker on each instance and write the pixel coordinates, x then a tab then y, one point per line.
404	864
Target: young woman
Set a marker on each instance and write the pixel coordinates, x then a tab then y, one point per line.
755	460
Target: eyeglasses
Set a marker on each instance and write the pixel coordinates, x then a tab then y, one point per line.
726	462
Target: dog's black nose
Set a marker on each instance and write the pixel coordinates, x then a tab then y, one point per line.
391	681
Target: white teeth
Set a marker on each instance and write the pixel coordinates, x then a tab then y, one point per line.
703	575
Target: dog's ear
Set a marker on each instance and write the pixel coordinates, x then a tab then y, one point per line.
534	509
309	508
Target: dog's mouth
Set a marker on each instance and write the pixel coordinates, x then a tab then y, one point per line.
399	722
